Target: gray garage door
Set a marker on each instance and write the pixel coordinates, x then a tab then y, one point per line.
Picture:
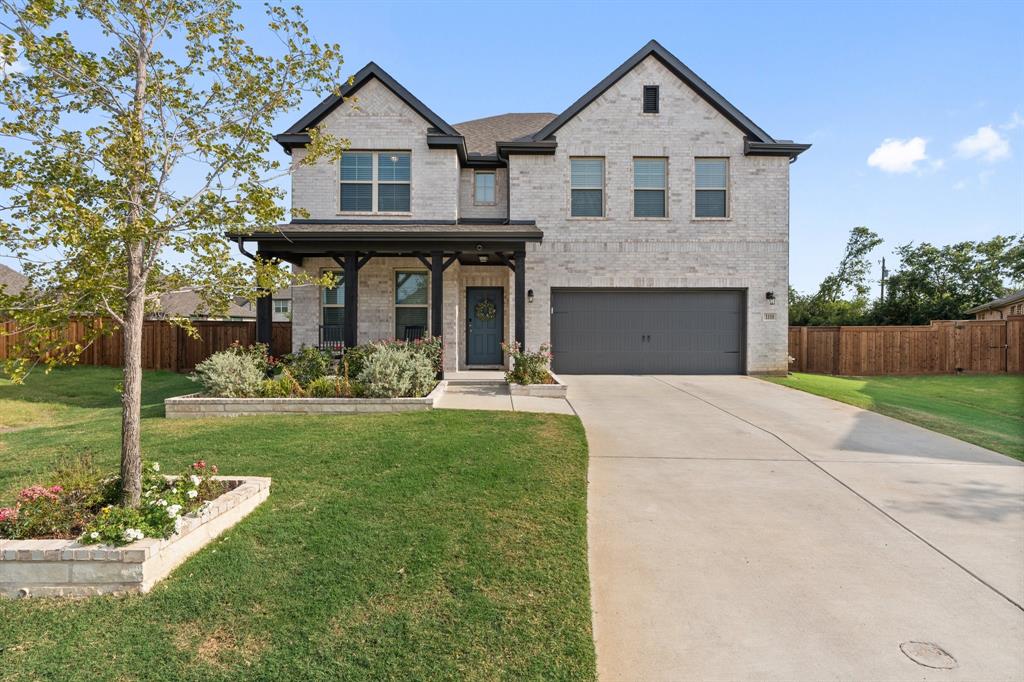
648	331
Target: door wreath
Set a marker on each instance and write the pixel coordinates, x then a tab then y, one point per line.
485	310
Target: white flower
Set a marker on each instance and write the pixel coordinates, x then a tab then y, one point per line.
161	502
192	494
94	535
132	534
174	491
195	479
156	466
173	510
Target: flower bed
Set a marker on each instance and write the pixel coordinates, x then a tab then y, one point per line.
61	567
70	538
196	405
530	374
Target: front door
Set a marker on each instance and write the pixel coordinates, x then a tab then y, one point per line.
484	316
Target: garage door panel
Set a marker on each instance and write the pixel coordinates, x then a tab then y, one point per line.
645	331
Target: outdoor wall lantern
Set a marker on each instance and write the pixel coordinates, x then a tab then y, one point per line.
529	296
770	296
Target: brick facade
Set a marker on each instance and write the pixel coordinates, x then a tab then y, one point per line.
748	250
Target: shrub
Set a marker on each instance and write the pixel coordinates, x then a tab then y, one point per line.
393	371
258	353
230	374
354	359
284	385
324	387
528	367
308	364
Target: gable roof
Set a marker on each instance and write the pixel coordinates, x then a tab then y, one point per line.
298	134
998	302
682	71
483	134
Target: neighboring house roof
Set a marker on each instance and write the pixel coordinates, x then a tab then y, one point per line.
487	141
188	303
11	281
483	134
998	302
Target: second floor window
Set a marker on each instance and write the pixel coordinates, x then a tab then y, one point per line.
711	188
649	188
587	187
483	188
378	179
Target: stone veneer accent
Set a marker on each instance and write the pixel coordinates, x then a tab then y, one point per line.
195	406
63	568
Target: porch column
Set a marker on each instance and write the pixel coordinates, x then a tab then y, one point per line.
437	297
264	317
351	335
520	273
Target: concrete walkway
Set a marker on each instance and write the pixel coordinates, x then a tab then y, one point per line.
741	530
494	395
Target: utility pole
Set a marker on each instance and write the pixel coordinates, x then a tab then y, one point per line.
881	281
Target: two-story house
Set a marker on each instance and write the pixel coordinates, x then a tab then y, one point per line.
645	229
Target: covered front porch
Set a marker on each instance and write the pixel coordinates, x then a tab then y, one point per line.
463	282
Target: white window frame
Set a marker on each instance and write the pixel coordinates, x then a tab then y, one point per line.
727	189
287	305
427	333
494	189
375	182
663	190
602	188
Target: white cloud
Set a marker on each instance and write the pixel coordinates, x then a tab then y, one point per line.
986	144
12	67
960	185
1016	121
898	156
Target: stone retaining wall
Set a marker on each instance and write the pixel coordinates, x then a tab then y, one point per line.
64	568
555	390
195	406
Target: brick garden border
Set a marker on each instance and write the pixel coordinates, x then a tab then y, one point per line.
64	568
555	390
196	406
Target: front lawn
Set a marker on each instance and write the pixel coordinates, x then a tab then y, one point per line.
433	545
984	409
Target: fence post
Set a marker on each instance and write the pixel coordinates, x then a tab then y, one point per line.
835	350
803	349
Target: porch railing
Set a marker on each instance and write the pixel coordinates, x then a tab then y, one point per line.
332	337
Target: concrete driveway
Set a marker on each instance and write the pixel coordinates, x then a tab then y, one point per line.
741	530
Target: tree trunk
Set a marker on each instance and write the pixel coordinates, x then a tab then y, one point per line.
131	398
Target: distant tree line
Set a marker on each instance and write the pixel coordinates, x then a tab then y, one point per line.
927	282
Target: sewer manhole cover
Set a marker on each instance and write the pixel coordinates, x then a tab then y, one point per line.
927	654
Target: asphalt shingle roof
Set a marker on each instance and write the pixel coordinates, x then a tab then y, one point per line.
11	281
482	133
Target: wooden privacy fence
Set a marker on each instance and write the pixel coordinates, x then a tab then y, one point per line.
164	346
942	347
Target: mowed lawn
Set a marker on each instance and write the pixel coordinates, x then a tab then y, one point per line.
987	410
437	545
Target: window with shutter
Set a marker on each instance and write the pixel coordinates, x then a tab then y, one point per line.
651	104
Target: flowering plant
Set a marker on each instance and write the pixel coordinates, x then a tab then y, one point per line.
528	367
165	500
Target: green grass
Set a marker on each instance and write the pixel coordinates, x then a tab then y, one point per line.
987	410
434	545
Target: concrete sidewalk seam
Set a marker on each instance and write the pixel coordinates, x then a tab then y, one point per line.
848	487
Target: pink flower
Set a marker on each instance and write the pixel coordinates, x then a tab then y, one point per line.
8	514
199	465
56	489
33	493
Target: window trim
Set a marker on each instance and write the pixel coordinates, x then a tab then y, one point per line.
340	274
286	301
663	190
395	305
657	99
727	189
494	189
603	188
375	183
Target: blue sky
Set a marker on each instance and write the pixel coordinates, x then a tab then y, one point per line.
926	77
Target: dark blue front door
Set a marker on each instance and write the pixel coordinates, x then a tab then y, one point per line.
484	317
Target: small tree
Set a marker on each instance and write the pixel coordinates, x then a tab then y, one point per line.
124	164
830	304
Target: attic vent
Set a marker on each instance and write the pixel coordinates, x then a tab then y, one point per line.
650	99
769	316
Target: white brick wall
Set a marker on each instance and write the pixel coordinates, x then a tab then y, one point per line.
467	207
749	250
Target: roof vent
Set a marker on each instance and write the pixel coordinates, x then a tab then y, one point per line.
650	99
